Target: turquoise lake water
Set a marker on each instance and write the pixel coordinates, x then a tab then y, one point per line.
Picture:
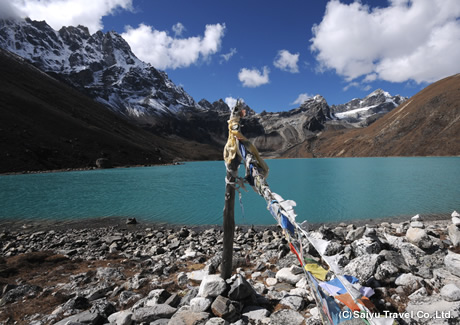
326	190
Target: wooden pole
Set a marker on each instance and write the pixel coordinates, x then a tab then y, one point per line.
229	221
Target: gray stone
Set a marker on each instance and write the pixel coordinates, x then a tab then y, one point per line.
98	291
355	234
102	307
286	316
212	286
412	255
200	304
396	258
454	234
184	316
285	275
255	313
19	292
223	307
450	292
173	300
363	267
152	313
333	248
408	280
452	262
442	277
85	317
240	289
366	245
386	272
293	302
157	296
419	237
123	317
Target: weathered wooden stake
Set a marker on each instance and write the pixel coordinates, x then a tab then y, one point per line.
229	222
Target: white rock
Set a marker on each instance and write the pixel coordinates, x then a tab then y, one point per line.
416	218
285	275
452	262
456	221
121	318
408	280
419	237
450	292
302	284
417	224
200	304
314	312
212	286
197	276
454	234
255	313
271	281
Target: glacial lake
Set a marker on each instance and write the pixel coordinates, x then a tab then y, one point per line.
326	190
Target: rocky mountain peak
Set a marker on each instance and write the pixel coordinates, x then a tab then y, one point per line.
102	65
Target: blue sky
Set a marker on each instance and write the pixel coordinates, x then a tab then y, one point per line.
273	53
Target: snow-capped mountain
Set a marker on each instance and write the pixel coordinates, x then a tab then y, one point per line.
102	65
366	110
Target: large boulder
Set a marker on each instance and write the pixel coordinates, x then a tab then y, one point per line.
419	237
184	316
223	307
364	267
152	313
200	304
450	292
366	245
412	255
452	262
454	234
286	275
212	286
240	289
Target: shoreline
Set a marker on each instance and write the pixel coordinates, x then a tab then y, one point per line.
30	225
74	169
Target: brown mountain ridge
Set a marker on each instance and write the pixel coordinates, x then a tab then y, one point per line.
46	125
428	124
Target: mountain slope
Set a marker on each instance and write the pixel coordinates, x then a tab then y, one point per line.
428	124
45	124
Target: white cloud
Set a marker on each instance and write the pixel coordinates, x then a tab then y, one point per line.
230	101
9	10
287	61
225	57
58	13
178	29
408	40
163	51
301	99
254	78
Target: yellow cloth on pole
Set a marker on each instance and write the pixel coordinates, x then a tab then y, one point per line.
317	271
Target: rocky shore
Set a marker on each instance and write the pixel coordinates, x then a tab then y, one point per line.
138	274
